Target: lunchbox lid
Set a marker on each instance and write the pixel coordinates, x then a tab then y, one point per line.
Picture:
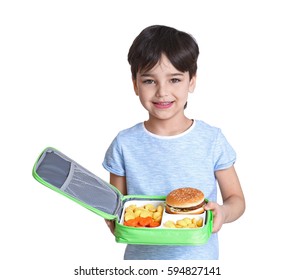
60	173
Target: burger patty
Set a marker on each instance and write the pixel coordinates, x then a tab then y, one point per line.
186	209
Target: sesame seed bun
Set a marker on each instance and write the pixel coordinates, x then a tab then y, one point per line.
185	201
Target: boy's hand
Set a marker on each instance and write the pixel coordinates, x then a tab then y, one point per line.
111	225
218	215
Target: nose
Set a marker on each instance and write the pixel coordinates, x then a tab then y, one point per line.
162	91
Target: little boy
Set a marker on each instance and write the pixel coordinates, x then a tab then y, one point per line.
170	150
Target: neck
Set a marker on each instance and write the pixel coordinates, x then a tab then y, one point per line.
168	127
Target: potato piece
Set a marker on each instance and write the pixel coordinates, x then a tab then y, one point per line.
187	221
200	222
129	211
145	214
137	212
158	219
157	215
191	225
194	221
169	224
160	208
181	223
129	216
150	207
131	208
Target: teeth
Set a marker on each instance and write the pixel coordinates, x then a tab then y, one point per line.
164	103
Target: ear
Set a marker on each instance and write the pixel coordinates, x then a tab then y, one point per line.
192	84
135	87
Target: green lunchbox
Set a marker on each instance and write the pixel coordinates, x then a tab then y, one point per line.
60	173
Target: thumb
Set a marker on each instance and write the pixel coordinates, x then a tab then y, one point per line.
209	206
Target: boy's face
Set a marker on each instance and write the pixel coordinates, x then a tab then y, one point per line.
163	90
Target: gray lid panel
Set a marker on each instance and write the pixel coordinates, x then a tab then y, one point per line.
61	172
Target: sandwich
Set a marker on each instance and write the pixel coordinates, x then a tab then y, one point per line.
185	201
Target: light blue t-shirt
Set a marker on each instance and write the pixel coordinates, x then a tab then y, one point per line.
155	165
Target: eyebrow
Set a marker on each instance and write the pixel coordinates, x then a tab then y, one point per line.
152	75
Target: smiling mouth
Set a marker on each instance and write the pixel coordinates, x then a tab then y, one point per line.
163	105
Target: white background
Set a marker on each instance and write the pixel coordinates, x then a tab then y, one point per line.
65	82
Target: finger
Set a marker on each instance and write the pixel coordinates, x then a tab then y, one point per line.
209	206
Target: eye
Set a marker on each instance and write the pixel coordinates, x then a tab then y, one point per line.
175	80
148	81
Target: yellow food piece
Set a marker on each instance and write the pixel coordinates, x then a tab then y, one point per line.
181	223
160	209
146	213
191	225
194	221
169	224
158	219
157	215
130	207
129	216
187	221
129	211
137	212
200	222
150	207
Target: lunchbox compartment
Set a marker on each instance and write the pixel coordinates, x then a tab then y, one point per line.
165	216
180	217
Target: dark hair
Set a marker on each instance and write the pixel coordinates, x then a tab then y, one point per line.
180	48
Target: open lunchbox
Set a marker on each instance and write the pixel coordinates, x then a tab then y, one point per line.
65	176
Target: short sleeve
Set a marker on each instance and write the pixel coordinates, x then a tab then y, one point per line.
113	161
224	154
